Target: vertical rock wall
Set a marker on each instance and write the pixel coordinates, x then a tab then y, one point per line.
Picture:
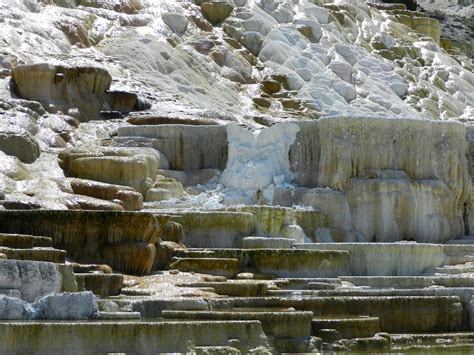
403	178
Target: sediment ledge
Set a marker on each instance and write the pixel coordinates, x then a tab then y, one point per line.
94	236
110	337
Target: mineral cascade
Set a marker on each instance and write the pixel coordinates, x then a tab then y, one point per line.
236	176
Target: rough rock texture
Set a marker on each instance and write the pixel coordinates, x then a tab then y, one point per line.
177	22
260	63
462	8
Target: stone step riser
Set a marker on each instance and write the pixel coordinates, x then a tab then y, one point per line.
280	262
397	314
36	254
23	241
292	327
348	328
114	336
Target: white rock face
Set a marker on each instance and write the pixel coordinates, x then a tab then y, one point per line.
74	305
256	160
61	306
32	278
387	210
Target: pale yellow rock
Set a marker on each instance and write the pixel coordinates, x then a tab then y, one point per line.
62	87
127	196
130	171
175	187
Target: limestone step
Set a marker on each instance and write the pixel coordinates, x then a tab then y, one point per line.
108	336
348	327
119	315
320	286
468	239
136	292
257	242
23	241
228	267
292	326
283	263
209	253
466	268
121	239
397	314
103	285
194	153
233	288
458	254
397	258
153	307
35	254
389	281
303	283
465	295
453	343
458	249
458	259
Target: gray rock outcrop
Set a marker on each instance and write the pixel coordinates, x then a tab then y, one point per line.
74	305
61	306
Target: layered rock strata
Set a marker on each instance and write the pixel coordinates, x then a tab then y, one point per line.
125	241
